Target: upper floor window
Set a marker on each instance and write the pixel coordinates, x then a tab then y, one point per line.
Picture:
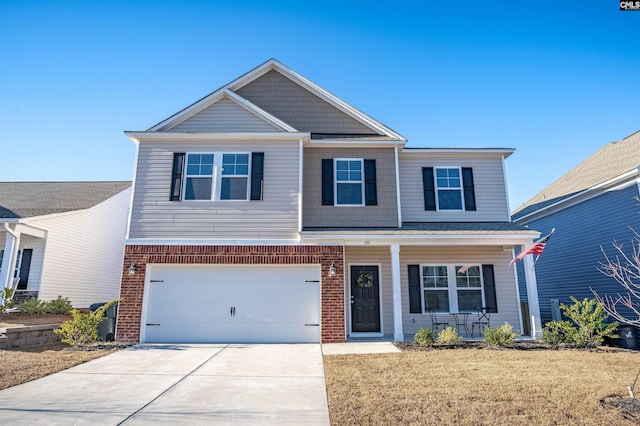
217	176
448	188
349	182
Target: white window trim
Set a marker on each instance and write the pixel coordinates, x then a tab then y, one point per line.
335	181
452	287
216	177
435	185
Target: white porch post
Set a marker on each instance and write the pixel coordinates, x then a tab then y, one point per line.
9	257
398	334
532	295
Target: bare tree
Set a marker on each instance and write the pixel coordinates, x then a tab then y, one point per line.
624	267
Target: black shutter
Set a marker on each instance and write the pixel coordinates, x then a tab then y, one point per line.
257	175
370	187
24	268
429	188
415	302
327	182
176	176
467	186
490	300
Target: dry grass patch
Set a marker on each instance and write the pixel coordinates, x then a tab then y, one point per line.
478	387
23	365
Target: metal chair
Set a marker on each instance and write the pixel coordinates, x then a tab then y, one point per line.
482	322
434	320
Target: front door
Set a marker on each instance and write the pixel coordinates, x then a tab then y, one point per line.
365	299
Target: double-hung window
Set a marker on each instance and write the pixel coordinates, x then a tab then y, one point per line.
349	182
435	282
215	176
451	288
469	288
449	188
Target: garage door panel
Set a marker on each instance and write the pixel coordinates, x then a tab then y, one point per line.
194	303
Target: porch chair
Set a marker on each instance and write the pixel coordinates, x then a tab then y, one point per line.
482	321
434	320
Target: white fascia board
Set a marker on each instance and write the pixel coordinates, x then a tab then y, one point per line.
253	108
348	143
24	228
583	195
207	242
423	240
506	152
170	136
350	110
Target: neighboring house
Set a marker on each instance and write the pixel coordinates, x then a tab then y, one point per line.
591	206
63	239
273	211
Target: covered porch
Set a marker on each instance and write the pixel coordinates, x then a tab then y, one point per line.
400	280
21	257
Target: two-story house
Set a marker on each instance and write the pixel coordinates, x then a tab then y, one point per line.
273	211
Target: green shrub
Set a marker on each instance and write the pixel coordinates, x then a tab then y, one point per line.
6	298
424	337
555	333
501	336
59	306
449	336
33	306
83	328
589	317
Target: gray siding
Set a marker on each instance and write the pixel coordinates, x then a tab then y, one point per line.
506	291
298	107
568	266
314	214
489	184
275	217
224	116
370	256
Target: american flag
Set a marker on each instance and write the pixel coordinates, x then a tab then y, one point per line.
536	248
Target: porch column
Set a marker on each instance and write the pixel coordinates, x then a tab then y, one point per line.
9	257
398	334
532	295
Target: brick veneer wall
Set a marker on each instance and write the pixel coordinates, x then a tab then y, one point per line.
132	287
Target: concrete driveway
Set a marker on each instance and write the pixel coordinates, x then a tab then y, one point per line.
179	384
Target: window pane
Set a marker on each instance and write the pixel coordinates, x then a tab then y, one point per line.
206	169
193	159
355	165
198	189
435	276
437	299
469	300
357	175
342	175
453	173
207	159
349	193
449	200
342	165
200	164
233	188
441	173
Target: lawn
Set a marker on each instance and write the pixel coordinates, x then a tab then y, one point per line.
479	387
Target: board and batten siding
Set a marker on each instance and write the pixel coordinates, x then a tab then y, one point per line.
298	107
380	256
569	264
506	291
385	214
488	179
84	251
224	116
274	217
35	268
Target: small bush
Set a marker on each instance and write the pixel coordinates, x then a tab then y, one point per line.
83	328
589	317
33	306
501	336
424	337
449	336
59	306
556	333
6	298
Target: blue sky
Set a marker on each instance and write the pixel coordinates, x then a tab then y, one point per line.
554	79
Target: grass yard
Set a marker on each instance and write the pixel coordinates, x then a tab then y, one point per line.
479	387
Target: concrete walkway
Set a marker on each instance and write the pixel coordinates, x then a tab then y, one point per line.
179	384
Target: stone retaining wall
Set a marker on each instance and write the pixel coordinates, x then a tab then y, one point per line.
34	335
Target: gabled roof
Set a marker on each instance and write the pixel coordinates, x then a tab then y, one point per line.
28	199
612	160
376	127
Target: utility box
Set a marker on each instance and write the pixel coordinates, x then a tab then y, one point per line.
107	328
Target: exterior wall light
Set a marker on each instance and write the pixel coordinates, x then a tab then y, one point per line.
332	270
132	269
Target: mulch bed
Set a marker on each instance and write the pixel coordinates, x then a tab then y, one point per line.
629	407
529	345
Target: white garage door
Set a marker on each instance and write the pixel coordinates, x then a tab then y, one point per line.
231	303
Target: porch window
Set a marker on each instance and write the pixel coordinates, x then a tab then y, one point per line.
469	288
451	288
349	182
435	284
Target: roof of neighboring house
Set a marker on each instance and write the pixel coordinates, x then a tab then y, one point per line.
28	199
612	160
434	227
